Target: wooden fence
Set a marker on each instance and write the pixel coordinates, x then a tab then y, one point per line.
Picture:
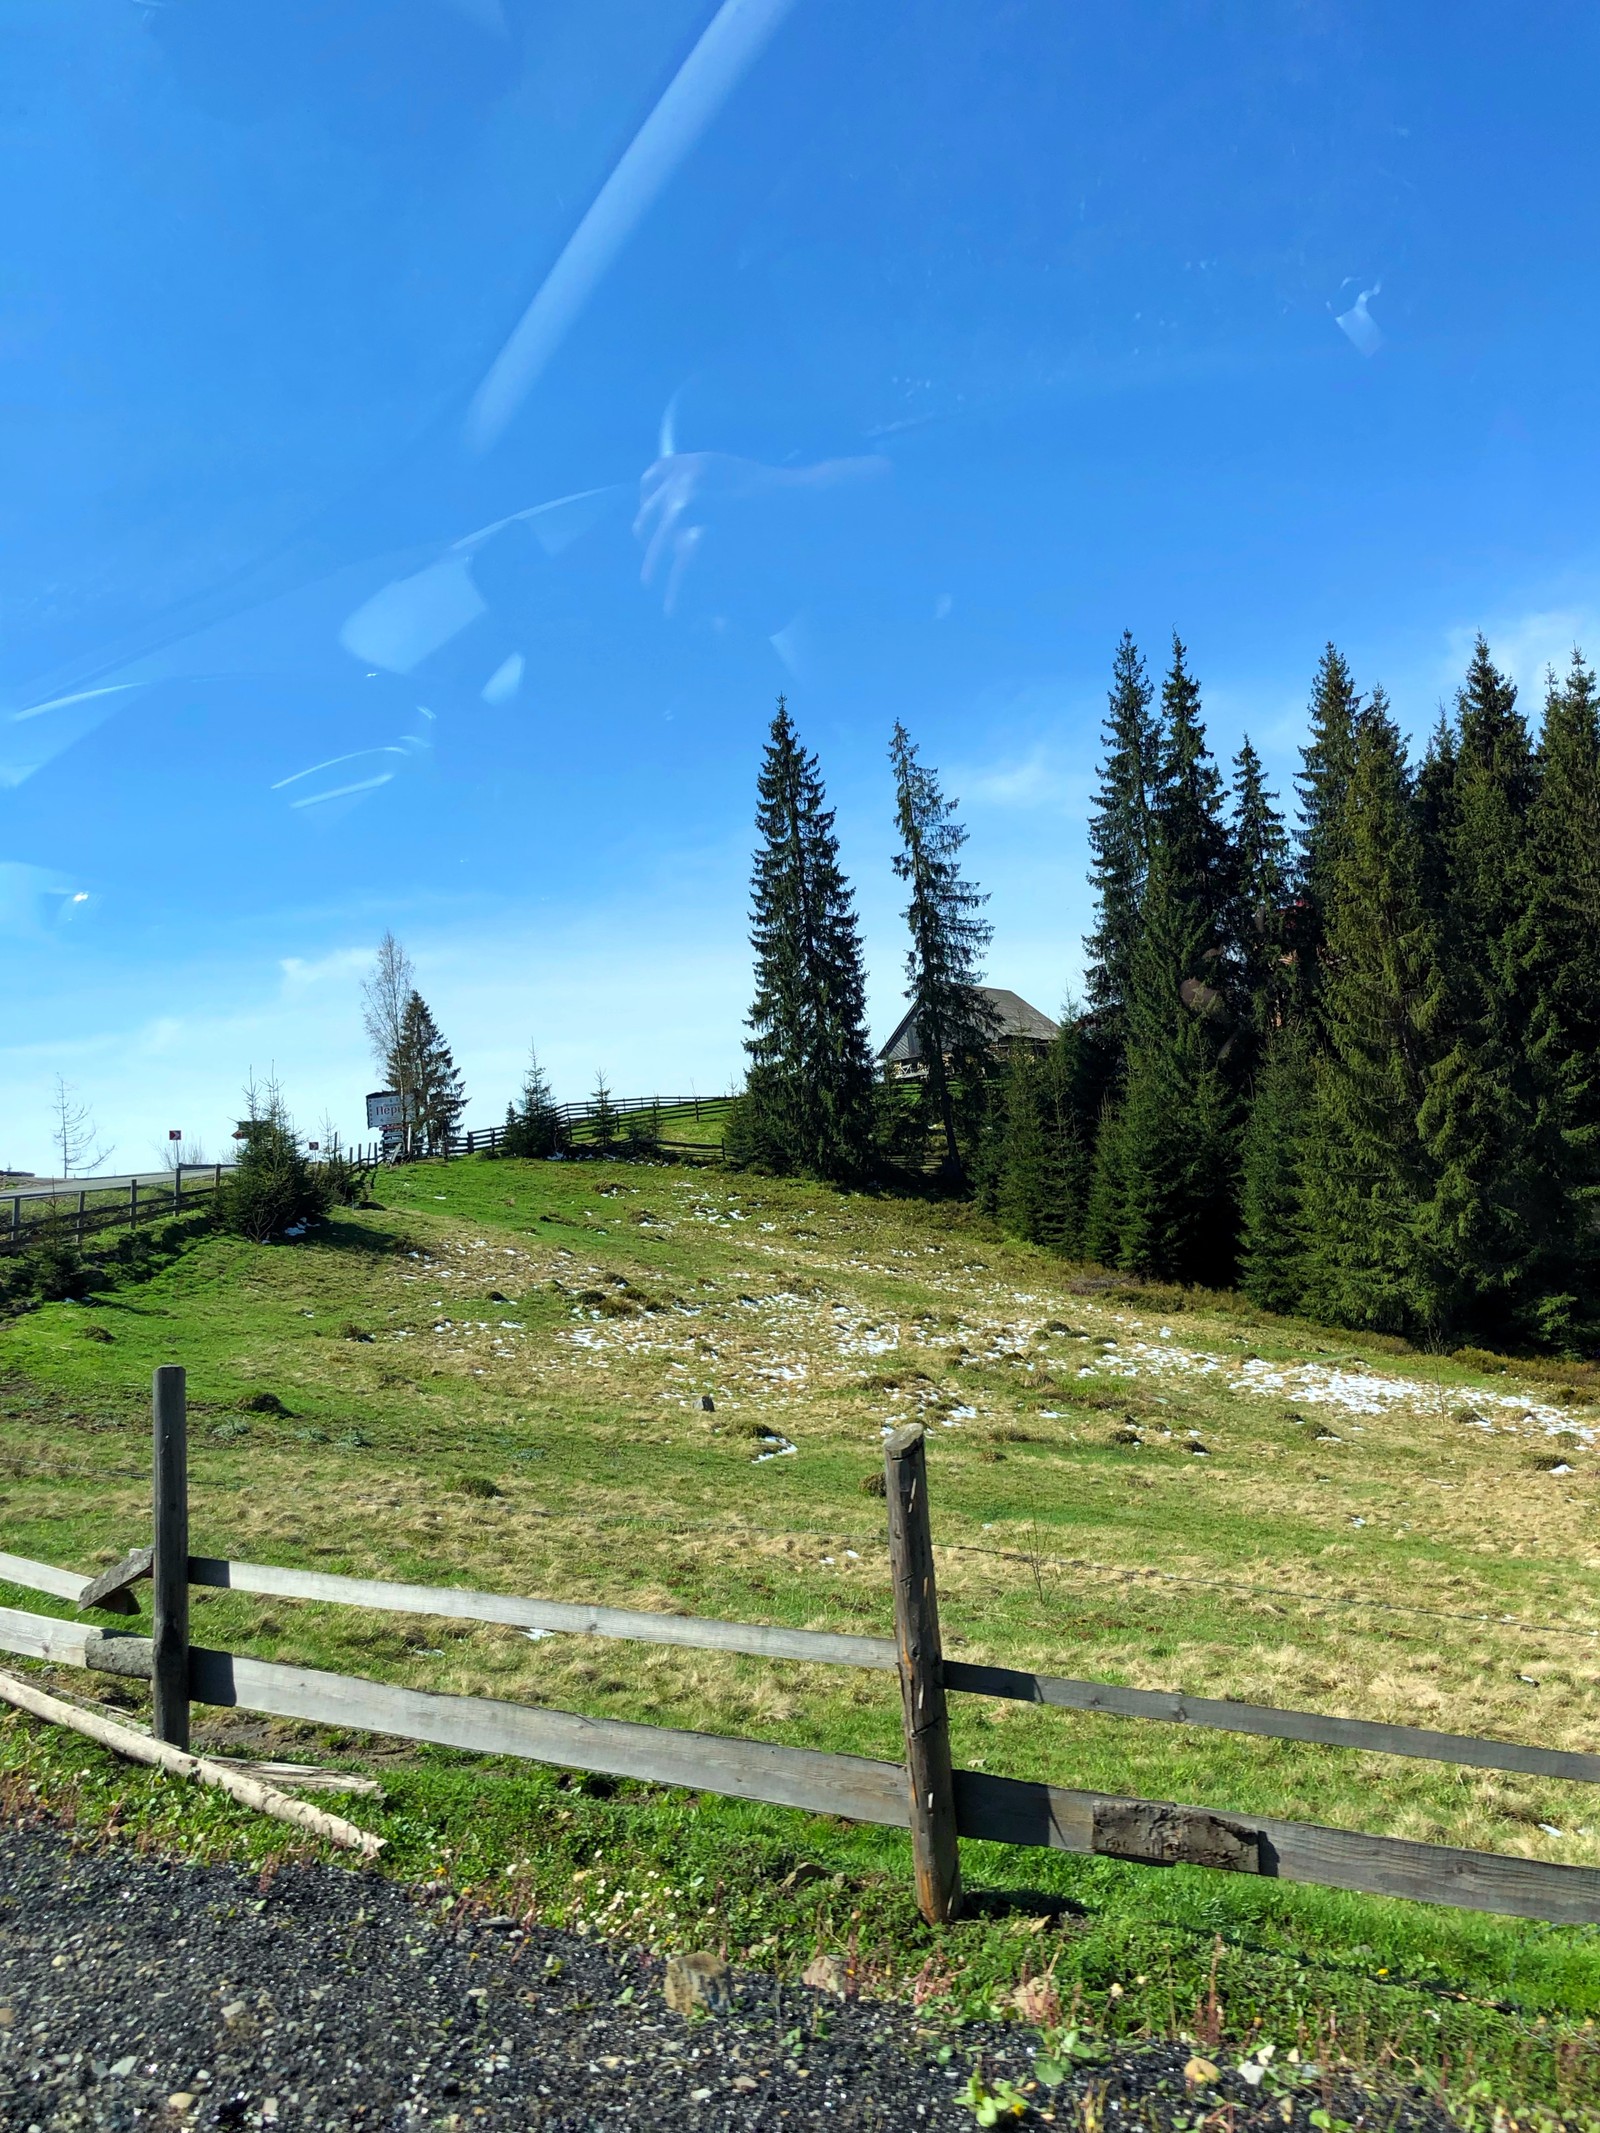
71	1214
572	1117
925	1794
77	1212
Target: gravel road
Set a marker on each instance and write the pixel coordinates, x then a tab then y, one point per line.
135	1992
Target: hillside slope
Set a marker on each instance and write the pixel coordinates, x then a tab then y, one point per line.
499	1379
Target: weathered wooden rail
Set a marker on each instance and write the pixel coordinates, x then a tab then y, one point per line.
72	1213
662	1111
79	1211
938	1804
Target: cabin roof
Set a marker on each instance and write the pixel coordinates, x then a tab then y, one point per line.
1014	1017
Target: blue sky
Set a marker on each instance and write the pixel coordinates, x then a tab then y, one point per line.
435	430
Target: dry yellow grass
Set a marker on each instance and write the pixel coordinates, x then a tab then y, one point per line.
1364	1532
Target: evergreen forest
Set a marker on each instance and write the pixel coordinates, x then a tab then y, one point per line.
1344	1054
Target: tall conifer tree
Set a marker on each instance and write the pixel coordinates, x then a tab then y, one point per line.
1369	1179
1176	1148
1188	808
1564	915
1163	1198
1272	1170
1119	840
1102	1215
422	1066
1321	784
1260	894
1042	1122
810	1079
954	1024
1498	1115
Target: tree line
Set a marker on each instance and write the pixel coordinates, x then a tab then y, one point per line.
1353	1065
812	1102
1350	1063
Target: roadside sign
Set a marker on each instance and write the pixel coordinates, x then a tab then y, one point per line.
387	1108
174	1133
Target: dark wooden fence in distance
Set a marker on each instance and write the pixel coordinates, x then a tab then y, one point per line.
656	1114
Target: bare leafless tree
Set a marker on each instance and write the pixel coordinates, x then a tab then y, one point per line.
72	1129
191	1154
385	996
383	1000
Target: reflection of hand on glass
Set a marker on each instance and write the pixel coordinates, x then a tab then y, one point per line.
679	490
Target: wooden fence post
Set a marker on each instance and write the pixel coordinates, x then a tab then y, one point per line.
177	1189
170	1569
83	1201
934	1851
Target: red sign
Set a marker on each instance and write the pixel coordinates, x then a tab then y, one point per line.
175	1133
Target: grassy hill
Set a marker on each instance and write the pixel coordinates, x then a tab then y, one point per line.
497	1379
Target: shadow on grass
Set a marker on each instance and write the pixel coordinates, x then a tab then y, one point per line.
363	1240
1000	1904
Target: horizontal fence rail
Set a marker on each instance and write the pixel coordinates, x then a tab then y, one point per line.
1222	1715
754	1638
937	1804
994	1809
831	1648
665	1111
63	1210
155	1183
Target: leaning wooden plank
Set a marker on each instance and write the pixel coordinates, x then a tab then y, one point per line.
110	1588
846	1785
1227	1717
140	1748
759	1639
1009	1811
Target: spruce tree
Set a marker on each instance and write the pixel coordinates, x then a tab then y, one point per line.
1038	1180
1188	810
1102	1214
1563	920
1493	782
1321	784
1176	1154
1507	1210
1018	1190
422	1067
1436	814
809	1092
1272	1157
1368	1178
1119	840
1163	1200
954	1024
1260	893
602	1113
533	1124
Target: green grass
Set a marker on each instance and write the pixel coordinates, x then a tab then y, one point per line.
631	1292
699	1124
